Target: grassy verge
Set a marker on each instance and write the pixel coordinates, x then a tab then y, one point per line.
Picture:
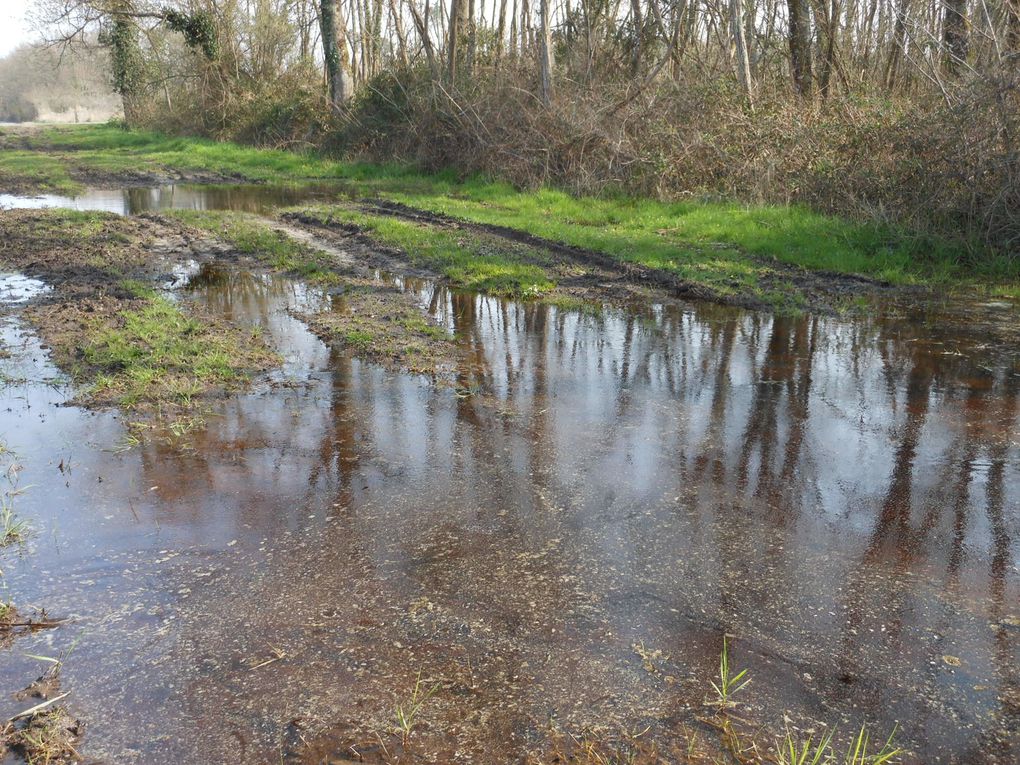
30	171
730	249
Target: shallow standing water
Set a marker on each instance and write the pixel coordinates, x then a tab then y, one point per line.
839	495
243	197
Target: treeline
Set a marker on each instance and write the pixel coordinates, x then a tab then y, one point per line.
903	109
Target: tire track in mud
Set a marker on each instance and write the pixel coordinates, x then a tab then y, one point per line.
815	284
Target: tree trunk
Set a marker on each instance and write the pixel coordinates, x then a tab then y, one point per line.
800	46
500	31
546	55
398	27
126	61
334	45
954	35
458	32
899	43
639	36
740	50
1013	32
422	27
826	19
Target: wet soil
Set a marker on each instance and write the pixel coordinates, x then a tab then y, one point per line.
91	266
121	179
596	279
557	545
45	732
381	322
15	139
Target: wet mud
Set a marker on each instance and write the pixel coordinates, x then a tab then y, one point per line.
97	312
383	323
547	552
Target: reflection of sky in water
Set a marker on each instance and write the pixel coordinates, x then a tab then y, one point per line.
242	197
16	288
840	495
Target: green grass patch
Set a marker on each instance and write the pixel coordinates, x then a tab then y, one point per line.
153	353
469	261
112	149
32	169
718	244
252	236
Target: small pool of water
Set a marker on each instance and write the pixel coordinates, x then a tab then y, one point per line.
16	289
247	197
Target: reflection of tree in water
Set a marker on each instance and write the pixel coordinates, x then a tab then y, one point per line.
590	393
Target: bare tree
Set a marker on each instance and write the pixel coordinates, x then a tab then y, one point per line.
545	55
954	35
800	45
740	54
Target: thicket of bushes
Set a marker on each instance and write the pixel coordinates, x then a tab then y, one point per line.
17	108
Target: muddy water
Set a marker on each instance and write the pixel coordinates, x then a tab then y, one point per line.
253	198
562	537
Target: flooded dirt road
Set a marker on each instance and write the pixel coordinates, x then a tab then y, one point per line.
558	541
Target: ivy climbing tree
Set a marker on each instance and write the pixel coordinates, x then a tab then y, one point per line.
121	20
127	64
198	29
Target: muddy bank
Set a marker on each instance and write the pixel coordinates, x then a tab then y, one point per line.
589	275
38	180
106	325
84	176
45	731
594	280
384	323
367	310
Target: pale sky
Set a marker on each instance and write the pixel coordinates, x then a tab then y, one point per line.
14	29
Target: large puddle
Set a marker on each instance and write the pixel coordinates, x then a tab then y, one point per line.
564	535
247	197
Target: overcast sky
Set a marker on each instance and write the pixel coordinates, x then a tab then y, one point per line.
14	28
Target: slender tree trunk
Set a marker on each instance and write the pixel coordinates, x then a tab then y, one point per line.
800	46
334	44
421	25
954	35
1013	32
500	31
472	35
398	27
740	50
639	35
458	32
546	55
899	43
826	16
